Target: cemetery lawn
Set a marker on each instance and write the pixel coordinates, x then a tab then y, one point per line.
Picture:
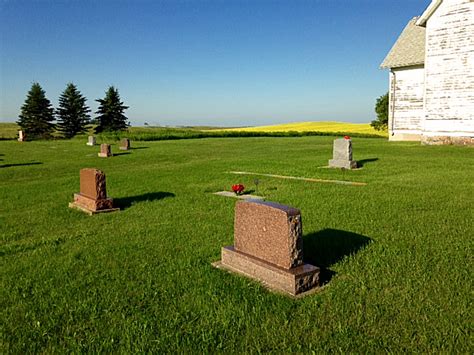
399	249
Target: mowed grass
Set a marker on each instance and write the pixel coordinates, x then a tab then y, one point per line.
325	126
140	280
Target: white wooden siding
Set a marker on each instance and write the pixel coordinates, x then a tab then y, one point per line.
406	98
449	70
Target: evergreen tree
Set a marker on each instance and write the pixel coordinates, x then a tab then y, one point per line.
73	113
37	114
110	111
381	109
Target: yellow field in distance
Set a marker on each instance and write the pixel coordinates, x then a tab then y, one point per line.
325	126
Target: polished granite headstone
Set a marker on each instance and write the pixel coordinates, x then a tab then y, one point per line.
268	247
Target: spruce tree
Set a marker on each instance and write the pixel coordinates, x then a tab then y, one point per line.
37	114
110	111
73	113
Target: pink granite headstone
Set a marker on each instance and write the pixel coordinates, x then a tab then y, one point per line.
269	231
93	195
124	144
268	247
105	151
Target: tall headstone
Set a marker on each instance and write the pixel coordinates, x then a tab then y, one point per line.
92	197
105	151
268	247
124	144
21	136
91	141
342	154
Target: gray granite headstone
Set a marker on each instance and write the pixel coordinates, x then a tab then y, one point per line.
21	136
342	155
91	141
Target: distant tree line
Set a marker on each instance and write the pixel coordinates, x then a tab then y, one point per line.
72	115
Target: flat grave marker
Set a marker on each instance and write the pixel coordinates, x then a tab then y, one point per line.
241	197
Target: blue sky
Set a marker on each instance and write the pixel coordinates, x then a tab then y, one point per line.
203	62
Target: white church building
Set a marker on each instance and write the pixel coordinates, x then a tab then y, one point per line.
431	86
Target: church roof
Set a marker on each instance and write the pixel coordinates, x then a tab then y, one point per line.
409	49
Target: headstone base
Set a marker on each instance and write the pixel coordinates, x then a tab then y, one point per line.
92	206
123	148
90	144
347	164
104	155
297	281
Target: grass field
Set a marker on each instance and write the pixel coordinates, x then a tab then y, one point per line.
140	280
325	126
149	133
8	130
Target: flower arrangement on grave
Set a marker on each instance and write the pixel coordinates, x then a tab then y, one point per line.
347	137
238	189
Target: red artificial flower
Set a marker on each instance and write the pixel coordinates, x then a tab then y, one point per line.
347	137
238	188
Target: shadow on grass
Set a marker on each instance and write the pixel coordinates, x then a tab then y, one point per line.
20	164
329	246
136	148
126	202
124	153
361	163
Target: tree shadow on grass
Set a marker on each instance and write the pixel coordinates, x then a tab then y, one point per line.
361	163
329	246
126	202
20	164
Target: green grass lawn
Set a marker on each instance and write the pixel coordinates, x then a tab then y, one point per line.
399	249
